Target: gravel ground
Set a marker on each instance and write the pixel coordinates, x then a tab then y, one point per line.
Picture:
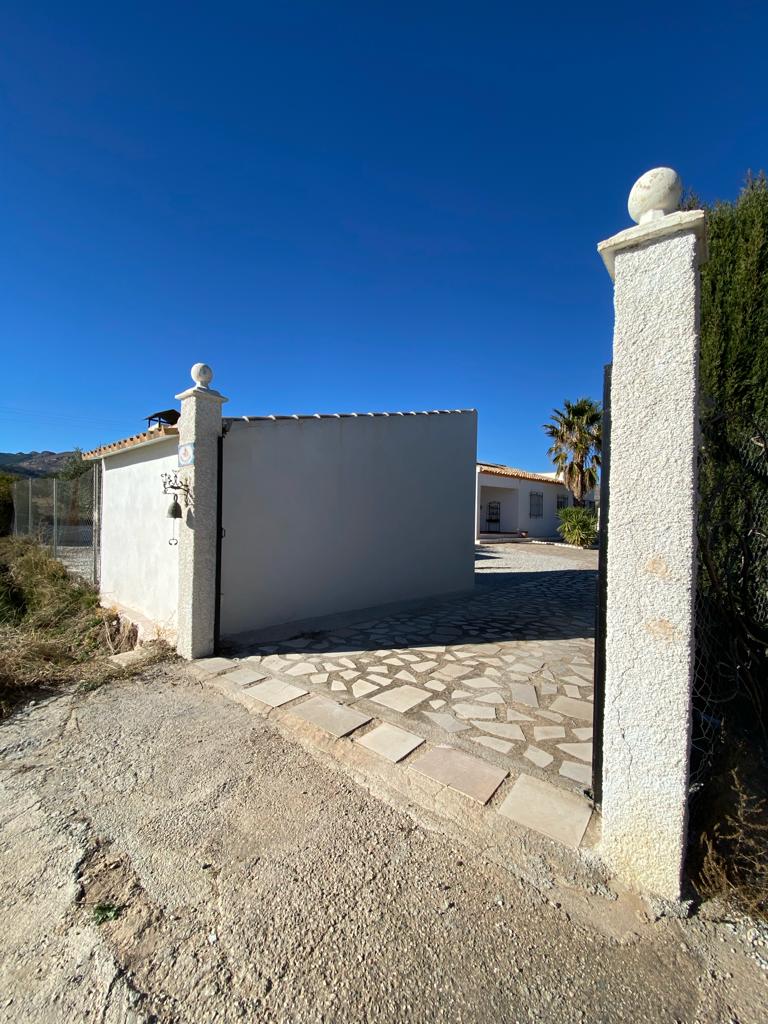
528	557
260	884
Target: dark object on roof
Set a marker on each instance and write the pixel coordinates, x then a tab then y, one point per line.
167	416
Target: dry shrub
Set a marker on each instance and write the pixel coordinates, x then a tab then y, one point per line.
734	861
52	630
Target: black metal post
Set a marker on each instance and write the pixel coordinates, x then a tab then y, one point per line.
219	535
602	595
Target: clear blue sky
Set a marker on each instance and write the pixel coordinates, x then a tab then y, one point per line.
341	206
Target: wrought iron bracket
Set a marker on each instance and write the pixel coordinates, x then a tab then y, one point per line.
172	485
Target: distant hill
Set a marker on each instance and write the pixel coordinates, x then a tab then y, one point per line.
33	463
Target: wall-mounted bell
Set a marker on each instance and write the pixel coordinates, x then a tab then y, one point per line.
174	509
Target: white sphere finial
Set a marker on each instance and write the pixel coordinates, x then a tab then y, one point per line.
655	194
201	374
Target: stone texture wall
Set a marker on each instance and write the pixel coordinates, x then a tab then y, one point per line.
651	560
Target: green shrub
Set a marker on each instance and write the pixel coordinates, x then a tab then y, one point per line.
6	502
578	526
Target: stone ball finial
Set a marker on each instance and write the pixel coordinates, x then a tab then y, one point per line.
655	194
201	374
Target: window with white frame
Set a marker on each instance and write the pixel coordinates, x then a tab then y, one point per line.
562	501
537	505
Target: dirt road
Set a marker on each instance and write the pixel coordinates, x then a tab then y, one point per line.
258	884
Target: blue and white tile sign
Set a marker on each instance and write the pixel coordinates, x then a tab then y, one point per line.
186	455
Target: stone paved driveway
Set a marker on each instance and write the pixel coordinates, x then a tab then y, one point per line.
504	673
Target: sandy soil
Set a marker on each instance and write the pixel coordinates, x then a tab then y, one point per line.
259	884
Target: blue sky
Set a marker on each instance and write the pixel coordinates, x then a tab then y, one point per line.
341	206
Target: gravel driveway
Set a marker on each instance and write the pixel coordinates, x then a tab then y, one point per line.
259	884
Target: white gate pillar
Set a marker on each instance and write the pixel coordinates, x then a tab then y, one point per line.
651	568
199	433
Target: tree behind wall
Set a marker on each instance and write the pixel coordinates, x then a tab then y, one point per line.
576	435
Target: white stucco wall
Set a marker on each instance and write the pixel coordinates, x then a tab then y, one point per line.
139	568
504	490
336	514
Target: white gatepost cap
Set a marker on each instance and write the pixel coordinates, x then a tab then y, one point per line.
201	374
655	194
654	205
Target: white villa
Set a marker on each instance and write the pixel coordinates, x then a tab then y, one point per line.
514	501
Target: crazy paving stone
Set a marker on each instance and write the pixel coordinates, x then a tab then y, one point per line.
524	693
423	666
319	677
469	775
479	683
301	668
578	772
490	698
474	711
435	685
455	671
379	680
548	732
551	716
583	733
502	746
401	698
515	716
437	704
581	750
539	757
572	708
361	688
446	721
406	676
507	732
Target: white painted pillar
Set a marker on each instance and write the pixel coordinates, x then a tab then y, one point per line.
651	577
199	433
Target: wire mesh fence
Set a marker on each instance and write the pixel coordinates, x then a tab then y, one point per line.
731	657
61	514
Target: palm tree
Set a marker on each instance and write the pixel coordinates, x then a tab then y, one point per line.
576	433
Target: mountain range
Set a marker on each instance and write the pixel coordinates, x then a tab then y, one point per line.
32	463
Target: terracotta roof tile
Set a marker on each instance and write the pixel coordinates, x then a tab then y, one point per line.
144	437
492	469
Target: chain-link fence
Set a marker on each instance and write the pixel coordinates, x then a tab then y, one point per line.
731	661
62	515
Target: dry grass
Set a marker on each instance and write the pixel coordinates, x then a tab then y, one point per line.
734	862
52	630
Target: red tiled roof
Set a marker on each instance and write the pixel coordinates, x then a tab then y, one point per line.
131	442
521	474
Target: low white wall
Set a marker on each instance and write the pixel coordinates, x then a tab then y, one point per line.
139	568
331	515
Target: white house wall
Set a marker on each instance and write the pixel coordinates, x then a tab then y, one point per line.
329	515
494	488
139	568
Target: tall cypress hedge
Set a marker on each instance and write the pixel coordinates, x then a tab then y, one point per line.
730	725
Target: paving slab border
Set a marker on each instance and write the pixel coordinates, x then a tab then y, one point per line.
532	855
